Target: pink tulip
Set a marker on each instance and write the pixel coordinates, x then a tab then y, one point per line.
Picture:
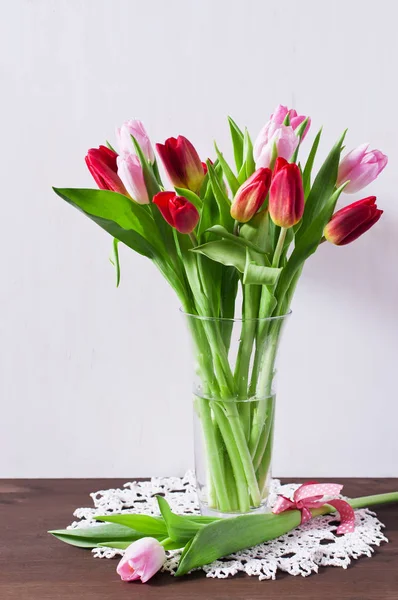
280	113
135	128
141	560
130	172
283	137
360	167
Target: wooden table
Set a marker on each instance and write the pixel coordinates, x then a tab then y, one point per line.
35	566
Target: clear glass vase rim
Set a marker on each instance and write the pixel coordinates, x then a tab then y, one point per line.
237	320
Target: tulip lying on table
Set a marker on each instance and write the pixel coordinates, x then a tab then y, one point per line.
203	539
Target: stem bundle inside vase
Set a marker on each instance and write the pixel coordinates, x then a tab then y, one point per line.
232	242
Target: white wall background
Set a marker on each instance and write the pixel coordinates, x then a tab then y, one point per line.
94	380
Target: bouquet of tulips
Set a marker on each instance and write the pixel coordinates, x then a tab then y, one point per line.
221	229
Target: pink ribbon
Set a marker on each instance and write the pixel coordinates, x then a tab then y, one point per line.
311	495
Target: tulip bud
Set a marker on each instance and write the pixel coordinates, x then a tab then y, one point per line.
136	129
348	223
177	211
286	196
182	163
102	165
251	195
360	167
141	560
130	172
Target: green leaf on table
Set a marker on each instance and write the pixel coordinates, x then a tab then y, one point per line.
237	143
91	537
226	536
228	173
146	524
256	274
179	528
310	163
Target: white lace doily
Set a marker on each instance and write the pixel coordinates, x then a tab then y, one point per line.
300	552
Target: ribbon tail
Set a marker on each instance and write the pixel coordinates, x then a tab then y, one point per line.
347	515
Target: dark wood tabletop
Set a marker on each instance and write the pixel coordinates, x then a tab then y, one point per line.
36	566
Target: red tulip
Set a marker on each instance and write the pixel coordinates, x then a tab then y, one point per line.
286	196
348	223
182	163
251	195
177	211
102	165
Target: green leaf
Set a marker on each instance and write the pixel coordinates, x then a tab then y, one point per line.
126	220
258	274
110	147
306	244
220	231
116	261
237	142
322	188
223	203
226	536
299	133
229	175
191	196
145	524
310	163
179	528
248	158
256	231
151	182
91	537
225	252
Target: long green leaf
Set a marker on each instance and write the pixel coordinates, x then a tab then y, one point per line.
226	536
91	537
248	159
322	188
229	175
224	205
179	528
310	163
237	143
126	220
146	524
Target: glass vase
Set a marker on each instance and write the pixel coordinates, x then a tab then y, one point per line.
234	411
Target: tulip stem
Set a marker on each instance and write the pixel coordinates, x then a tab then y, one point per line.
194	239
236	228
279	247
